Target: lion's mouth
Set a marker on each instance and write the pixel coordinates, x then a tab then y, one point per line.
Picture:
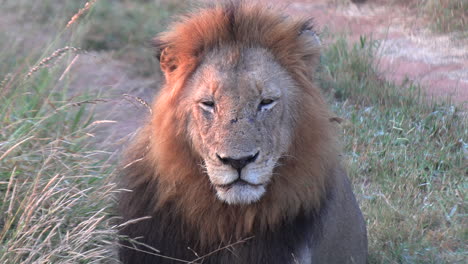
238	182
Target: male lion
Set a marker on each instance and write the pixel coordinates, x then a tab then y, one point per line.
239	161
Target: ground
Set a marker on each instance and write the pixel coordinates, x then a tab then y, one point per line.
123	92
408	48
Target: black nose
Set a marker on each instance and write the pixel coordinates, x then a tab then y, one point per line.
238	164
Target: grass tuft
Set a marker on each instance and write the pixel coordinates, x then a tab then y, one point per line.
126	28
448	15
445	16
55	188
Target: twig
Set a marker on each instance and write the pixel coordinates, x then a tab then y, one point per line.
222	248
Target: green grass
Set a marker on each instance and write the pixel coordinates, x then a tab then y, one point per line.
444	16
126	28
406	157
448	15
404	154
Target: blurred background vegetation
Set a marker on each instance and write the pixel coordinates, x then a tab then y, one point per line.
406	155
445	15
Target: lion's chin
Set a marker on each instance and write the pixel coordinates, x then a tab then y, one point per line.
240	193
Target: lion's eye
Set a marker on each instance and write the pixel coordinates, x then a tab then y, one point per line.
208	105
266	102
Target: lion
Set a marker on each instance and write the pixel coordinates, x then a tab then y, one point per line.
239	161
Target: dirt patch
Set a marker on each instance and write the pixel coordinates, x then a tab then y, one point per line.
122	110
408	49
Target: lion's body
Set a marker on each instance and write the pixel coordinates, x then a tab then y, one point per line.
239	150
337	234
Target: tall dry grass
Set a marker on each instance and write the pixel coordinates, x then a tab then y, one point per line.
57	185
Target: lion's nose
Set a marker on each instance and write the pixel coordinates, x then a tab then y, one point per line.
239	163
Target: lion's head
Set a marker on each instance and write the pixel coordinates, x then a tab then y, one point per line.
239	129
241	106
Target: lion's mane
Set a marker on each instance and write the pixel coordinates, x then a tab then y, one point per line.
164	172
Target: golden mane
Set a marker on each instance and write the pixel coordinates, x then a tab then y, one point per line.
164	162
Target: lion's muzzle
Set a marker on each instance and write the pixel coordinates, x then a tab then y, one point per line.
238	163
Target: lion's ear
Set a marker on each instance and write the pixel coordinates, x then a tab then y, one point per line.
167	59
158	46
311	45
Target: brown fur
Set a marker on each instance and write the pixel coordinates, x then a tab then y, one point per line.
169	165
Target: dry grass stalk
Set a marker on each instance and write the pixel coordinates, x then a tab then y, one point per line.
14	146
198	260
80	12
47	62
68	67
6	79
93	101
139	100
243	240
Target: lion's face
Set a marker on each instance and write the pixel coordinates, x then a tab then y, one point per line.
240	121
